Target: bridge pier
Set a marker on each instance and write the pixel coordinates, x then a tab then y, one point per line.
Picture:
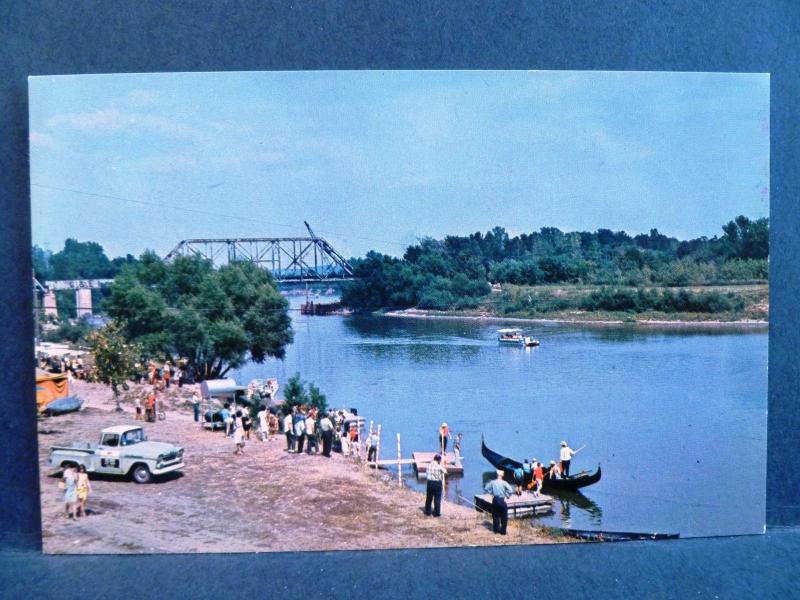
50	306
83	300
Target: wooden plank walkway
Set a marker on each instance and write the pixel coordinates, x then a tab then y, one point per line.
518	506
421	460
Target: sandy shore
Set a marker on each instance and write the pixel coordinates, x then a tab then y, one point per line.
416	313
264	500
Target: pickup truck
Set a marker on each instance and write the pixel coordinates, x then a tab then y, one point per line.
123	450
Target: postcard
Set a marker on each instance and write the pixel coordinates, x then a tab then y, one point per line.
322	310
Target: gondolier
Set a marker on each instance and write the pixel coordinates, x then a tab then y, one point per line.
566	457
435	473
500	490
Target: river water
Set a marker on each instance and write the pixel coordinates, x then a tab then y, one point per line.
677	419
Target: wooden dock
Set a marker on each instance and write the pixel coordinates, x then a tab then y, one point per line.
453	465
519	506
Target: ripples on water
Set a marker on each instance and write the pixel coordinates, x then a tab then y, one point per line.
677	418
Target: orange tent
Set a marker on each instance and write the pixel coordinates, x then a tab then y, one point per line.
49	387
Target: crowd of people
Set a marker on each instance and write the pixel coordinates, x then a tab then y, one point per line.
73	366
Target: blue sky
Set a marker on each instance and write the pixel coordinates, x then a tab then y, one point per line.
376	159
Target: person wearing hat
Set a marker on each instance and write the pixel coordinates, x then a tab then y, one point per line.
434	473
566	456
500	490
444	433
554	472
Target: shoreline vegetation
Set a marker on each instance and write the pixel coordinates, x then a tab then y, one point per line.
601	276
753	314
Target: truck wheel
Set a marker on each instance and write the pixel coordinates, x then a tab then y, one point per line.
141	474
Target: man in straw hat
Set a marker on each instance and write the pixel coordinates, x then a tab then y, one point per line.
444	433
566	457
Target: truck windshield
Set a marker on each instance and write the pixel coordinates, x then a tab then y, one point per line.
132	437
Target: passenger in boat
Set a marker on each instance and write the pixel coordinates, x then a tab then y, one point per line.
527	472
566	457
500	490
538	478
519	479
554	472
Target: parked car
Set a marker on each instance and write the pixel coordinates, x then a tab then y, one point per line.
122	450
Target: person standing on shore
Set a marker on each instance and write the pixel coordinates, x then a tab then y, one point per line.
238	438
263	427
372	446
435	474
137	405
196	406
166	374
288	429
326	429
84	489
300	431
500	490
311	432
538	478
70	486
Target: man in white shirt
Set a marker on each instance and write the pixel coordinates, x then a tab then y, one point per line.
287	429
566	457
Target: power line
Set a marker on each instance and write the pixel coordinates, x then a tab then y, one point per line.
197	211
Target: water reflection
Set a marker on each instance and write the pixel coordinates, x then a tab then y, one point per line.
569	501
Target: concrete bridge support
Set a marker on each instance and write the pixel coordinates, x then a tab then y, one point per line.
50	306
83	300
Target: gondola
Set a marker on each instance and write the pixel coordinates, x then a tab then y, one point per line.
571	483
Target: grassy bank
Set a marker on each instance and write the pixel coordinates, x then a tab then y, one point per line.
585	303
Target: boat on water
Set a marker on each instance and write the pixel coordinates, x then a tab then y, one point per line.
509	465
62	406
512	336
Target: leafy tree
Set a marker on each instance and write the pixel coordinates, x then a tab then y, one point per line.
114	358
216	319
297	392
81	260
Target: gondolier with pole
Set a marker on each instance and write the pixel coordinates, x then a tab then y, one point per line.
566	457
500	490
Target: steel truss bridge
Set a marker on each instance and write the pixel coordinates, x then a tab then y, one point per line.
288	259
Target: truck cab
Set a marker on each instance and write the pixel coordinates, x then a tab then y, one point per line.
122	450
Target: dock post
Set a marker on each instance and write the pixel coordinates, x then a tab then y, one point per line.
378	450
399	463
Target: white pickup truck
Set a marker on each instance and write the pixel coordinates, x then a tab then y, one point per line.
123	450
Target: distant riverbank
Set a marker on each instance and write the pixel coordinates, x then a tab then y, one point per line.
578	318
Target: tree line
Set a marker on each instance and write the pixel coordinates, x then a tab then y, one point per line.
456	272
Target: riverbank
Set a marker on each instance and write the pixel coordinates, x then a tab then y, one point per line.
583	319
264	500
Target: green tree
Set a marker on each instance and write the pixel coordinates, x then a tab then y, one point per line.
81	260
215	318
297	392
114	358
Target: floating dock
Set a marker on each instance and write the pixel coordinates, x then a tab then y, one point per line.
519	506
452	463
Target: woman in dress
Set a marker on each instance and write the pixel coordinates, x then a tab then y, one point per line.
70	491
84	489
